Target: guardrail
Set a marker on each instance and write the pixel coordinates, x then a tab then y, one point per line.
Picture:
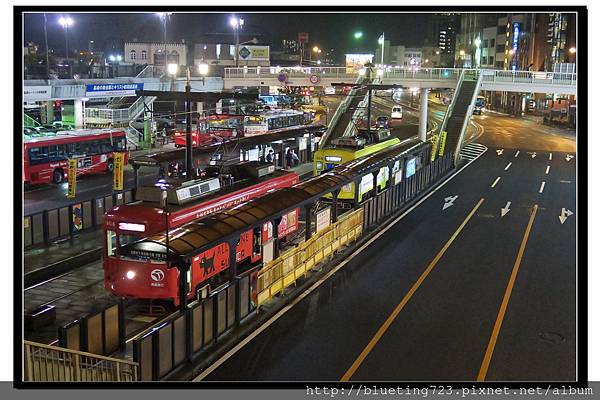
47	226
44	363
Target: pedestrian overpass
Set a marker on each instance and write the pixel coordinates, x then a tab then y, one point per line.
423	78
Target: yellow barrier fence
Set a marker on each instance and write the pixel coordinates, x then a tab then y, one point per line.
296	262
44	363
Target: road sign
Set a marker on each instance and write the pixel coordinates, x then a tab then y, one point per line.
434	140
118	171
282	77
314	79
442	143
72	178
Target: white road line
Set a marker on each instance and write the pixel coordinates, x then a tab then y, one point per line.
508	166
550	156
285	309
542	186
547	169
517	153
496	181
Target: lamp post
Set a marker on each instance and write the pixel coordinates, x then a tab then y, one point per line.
47	50
315	50
381	41
66	22
164	16
203	70
237	24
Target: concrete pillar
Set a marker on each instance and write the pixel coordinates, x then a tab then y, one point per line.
78	111
200	108
48	112
423	115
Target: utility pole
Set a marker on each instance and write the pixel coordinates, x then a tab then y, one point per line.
46	43
188	126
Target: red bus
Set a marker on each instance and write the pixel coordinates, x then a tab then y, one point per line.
189	202
45	159
211	129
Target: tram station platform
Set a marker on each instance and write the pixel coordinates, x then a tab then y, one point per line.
42	263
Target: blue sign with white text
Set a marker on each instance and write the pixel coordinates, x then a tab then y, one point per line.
112	89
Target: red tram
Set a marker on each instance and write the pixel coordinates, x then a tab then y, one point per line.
140	278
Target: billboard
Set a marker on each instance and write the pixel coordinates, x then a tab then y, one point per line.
354	62
112	89
254	53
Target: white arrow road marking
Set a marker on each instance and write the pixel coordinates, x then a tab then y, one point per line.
508	166
500	151
550	156
496	181
517	153
569	157
449	201
542	186
564	214
547	169
505	209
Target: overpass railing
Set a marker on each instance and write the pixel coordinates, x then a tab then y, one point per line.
434	74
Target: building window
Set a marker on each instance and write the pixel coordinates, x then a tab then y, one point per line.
485	43
144	55
492	43
132	54
232	50
218	51
484	60
491	60
500	48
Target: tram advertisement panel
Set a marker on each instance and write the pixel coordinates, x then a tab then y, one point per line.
211	262
244	247
288	224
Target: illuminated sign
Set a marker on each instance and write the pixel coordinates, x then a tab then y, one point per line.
72	178
515	39
333	158
126	226
118	170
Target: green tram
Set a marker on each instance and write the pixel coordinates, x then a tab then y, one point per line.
346	149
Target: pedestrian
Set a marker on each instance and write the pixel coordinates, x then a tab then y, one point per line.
164	136
289	158
270	156
295	159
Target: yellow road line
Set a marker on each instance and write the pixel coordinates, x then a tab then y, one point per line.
511	282
381	331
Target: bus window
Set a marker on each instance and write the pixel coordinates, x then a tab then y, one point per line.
111	243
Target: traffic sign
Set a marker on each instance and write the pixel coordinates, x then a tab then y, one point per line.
282	77
118	171
314	79
72	178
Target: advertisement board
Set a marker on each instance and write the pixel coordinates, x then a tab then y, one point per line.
72	178
254	53
411	167
118	171
112	89
323	219
37	93
288	224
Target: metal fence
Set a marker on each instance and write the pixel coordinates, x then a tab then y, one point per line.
102	332
47	226
44	363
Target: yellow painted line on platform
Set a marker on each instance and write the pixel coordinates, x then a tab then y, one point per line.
487	358
383	328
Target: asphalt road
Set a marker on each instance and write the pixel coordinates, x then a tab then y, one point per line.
467	293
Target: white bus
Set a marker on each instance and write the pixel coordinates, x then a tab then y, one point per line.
273	121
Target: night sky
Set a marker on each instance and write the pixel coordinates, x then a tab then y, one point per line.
326	30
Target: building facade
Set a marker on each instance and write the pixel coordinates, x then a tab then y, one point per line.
154	53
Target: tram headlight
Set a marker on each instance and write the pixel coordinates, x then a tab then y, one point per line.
130	274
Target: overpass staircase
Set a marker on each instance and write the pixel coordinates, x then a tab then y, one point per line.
460	111
343	116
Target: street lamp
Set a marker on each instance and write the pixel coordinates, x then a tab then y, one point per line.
237	24
164	16
66	22
572	50
358	35
381	41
